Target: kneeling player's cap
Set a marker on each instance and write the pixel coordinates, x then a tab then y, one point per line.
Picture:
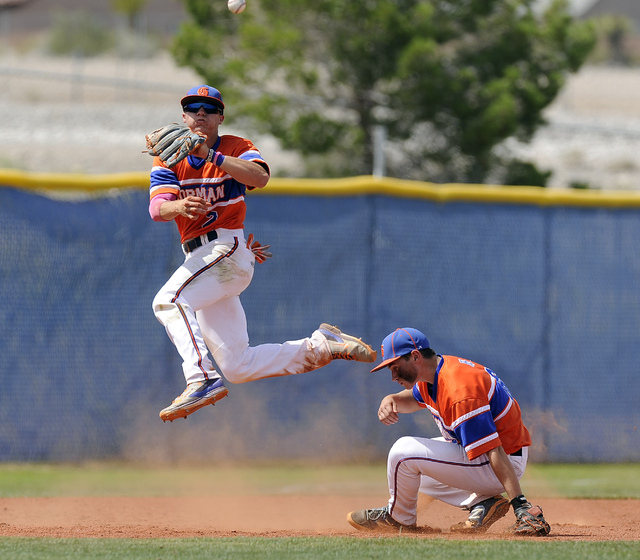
203	94
399	343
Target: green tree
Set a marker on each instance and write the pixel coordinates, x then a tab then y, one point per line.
449	79
79	34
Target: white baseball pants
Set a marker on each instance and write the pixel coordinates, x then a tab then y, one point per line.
440	469
200	309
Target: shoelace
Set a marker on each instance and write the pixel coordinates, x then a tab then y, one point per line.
379	515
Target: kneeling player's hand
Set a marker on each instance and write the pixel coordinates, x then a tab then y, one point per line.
530	521
388	411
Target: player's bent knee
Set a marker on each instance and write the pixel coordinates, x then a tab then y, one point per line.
230	375
157	306
163	310
229	366
406	446
161	302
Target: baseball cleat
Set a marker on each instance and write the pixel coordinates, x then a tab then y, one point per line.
483	515
346	347
376	520
194	397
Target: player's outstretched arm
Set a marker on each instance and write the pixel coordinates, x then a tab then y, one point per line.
529	519
250	173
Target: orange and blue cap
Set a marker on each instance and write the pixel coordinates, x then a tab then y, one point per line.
400	343
203	94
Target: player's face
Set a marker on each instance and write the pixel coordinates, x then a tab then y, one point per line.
404	372
203	122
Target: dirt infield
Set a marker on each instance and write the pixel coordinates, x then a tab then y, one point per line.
280	516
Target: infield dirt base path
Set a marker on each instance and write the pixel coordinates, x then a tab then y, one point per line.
279	516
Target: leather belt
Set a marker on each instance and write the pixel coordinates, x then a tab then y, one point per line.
196	242
516	453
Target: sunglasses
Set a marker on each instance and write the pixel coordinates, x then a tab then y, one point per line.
208	108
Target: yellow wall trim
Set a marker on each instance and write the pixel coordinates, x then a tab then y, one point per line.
350	186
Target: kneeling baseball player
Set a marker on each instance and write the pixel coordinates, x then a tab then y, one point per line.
482	452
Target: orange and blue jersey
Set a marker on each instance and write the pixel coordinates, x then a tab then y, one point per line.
473	407
194	176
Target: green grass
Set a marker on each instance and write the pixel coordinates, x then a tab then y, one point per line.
584	481
104	479
553	480
572	481
317	548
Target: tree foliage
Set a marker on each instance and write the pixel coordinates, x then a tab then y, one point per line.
450	80
79	34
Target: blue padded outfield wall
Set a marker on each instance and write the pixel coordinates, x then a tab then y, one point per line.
541	286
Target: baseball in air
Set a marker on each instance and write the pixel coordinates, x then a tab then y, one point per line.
237	6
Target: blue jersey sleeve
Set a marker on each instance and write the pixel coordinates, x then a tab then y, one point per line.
417	395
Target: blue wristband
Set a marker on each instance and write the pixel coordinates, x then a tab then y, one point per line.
214	157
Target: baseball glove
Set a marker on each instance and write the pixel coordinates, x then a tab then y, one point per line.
530	521
259	251
173	143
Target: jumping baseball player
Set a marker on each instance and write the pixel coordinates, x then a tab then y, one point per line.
199	180
482	453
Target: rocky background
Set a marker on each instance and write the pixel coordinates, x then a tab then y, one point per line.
90	115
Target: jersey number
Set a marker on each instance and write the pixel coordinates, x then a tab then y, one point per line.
213	216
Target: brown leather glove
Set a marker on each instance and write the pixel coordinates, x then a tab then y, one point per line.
173	143
530	521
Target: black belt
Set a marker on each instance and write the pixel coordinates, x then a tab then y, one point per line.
196	242
517	453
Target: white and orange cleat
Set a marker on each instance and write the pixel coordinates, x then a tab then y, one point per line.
346	347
